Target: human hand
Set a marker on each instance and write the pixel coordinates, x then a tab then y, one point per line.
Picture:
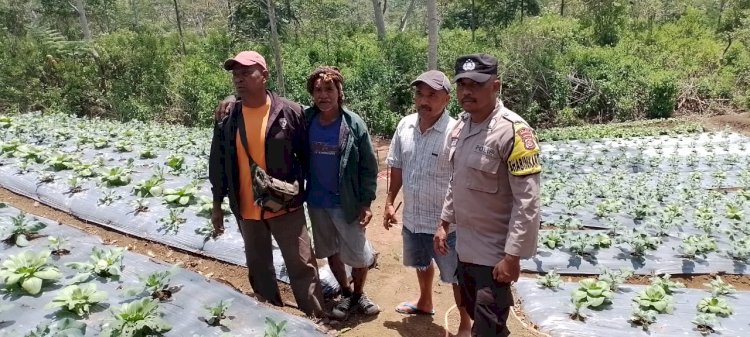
389	216
217	220
224	108
440	241
507	270
365	215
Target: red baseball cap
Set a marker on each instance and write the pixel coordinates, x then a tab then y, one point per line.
246	58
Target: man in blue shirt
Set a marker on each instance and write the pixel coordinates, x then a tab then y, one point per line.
343	181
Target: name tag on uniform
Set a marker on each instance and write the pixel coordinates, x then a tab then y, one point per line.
485	150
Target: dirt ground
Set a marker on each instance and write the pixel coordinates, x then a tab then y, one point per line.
388	285
739	122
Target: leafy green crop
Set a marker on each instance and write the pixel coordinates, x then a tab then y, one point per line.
65	327
719	287
550	280
642	317
139	205
134	319
274	329
104	262
715	305
217	311
61	161
123	146
84	170
147	153
591	293
182	197
615	277
739	250
694	245
583	244
5	122
156	285
28	270
58	245
116	176
175	162
8	148
551	239
640	242
206	206
705	323
734	212
666	283
29	153
172	222
151	187
78	299
108	197
656	299
19	229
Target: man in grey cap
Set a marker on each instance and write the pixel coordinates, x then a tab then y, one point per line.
493	195
420	165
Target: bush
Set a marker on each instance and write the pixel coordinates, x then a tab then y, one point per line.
662	93
556	71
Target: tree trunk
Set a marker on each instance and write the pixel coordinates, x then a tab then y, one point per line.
432	35
81	9
179	27
276	49
406	16
473	20
562	7
379	22
721	12
135	13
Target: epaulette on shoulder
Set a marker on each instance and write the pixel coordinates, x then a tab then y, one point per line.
512	117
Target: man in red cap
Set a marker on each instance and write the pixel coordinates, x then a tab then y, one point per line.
265	134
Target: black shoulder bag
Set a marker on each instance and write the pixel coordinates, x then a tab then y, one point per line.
270	194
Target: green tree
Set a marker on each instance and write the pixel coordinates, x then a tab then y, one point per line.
607	19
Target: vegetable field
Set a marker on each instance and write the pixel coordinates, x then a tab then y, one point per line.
59	281
660	204
147	180
620	203
648	203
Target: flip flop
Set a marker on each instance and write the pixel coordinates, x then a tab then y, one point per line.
411	309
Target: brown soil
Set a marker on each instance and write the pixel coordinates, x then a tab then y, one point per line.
737	122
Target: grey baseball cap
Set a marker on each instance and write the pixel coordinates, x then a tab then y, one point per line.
435	79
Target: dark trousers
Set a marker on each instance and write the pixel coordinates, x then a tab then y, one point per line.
487	301
290	232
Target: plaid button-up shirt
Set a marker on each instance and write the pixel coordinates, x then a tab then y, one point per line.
425	170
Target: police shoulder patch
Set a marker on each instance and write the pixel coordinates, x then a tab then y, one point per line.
524	157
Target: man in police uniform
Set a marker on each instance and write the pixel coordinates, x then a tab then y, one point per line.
493	195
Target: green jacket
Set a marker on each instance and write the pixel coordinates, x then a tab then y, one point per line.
358	168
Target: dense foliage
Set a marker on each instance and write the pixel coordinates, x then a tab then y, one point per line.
598	62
